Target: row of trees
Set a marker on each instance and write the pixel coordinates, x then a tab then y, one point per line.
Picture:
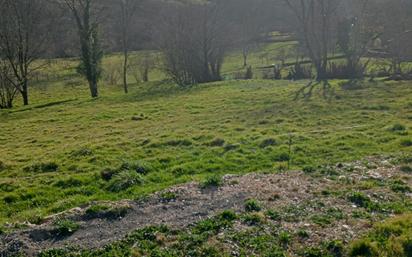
194	36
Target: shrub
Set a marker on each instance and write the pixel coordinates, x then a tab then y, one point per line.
212	181
123	181
252	205
65	227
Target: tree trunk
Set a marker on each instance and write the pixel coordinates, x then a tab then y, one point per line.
25	93
244	58
126	57
93	88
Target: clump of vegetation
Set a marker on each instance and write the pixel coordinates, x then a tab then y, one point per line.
168	196
406	143
398	128
3	166
82	152
212	181
406	169
42	167
107	174
139	167
65	228
124	180
253	219
400	186
252	205
273	215
268	142
67	183
106	212
360	199
217	142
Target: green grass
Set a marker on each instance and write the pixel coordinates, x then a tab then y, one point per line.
52	156
391	238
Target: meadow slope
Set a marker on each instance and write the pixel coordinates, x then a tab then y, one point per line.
62	151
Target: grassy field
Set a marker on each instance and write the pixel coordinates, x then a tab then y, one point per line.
57	153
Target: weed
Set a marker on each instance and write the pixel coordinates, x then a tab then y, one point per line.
65	228
218	142
273	215
252	205
406	169
406	143
124	180
268	142
168	196
397	128
399	186
253	219
42	167
212	181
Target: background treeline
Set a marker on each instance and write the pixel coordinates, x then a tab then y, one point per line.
192	38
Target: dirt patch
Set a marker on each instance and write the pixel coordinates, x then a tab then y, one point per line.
315	201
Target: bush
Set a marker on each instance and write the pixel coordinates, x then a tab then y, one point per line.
252	205
212	181
65	227
124	180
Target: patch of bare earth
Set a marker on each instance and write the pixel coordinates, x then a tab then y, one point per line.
316	202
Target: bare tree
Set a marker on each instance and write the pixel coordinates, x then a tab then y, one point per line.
316	21
84	12
7	89
396	36
127	10
355	35
193	39
24	30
